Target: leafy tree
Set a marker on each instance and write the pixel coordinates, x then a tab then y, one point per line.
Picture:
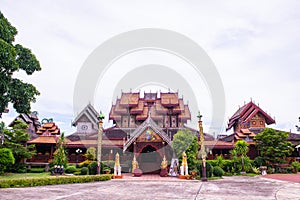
15	57
15	139
184	140
273	146
60	154
241	148
6	158
91	153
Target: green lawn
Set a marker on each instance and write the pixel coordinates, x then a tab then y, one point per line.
23	175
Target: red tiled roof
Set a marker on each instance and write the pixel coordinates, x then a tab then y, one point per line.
44	140
48	128
246	113
129	99
169	99
216	144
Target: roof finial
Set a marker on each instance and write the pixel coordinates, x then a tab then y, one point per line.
251	99
130	90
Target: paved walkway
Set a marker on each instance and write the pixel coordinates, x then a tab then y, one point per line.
285	177
146	187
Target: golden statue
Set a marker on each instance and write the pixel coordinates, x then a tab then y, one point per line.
135	164
184	165
164	163
117	168
184	160
117	162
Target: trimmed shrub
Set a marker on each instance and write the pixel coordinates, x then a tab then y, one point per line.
212	162
17	168
108	164
209	168
85	163
218	171
6	158
93	168
259	161
70	169
228	165
37	170
84	171
51	180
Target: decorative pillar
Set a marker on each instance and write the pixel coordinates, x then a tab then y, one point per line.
203	153
99	144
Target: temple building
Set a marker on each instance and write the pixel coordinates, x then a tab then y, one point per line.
144	125
246	122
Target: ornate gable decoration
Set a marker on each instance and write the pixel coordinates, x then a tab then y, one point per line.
88	114
148	131
247	112
149	135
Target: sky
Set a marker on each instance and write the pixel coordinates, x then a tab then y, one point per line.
254	45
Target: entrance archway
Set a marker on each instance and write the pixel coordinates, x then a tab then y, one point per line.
149	160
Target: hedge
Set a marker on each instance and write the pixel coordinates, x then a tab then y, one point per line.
53	180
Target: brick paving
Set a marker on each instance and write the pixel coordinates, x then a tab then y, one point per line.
285	177
155	187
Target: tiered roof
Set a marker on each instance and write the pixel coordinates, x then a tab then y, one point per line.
133	104
48	129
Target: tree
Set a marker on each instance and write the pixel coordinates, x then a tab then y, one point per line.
60	154
184	140
15	57
6	159
91	153
273	145
15	139
241	149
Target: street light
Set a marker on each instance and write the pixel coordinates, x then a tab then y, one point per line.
99	145
203	153
78	151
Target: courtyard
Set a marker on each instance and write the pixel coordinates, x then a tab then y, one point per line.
154	187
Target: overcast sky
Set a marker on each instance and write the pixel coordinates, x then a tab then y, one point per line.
255	46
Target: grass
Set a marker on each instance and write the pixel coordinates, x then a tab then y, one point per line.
23	175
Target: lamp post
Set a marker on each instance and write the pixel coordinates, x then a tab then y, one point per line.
78	151
99	145
203	153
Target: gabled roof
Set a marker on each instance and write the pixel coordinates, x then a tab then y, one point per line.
146	124
90	112
245	113
28	119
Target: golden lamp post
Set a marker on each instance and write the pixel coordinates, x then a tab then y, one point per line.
203	153
99	144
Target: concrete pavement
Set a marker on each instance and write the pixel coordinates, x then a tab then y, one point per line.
235	187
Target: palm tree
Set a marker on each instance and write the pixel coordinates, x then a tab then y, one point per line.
241	148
